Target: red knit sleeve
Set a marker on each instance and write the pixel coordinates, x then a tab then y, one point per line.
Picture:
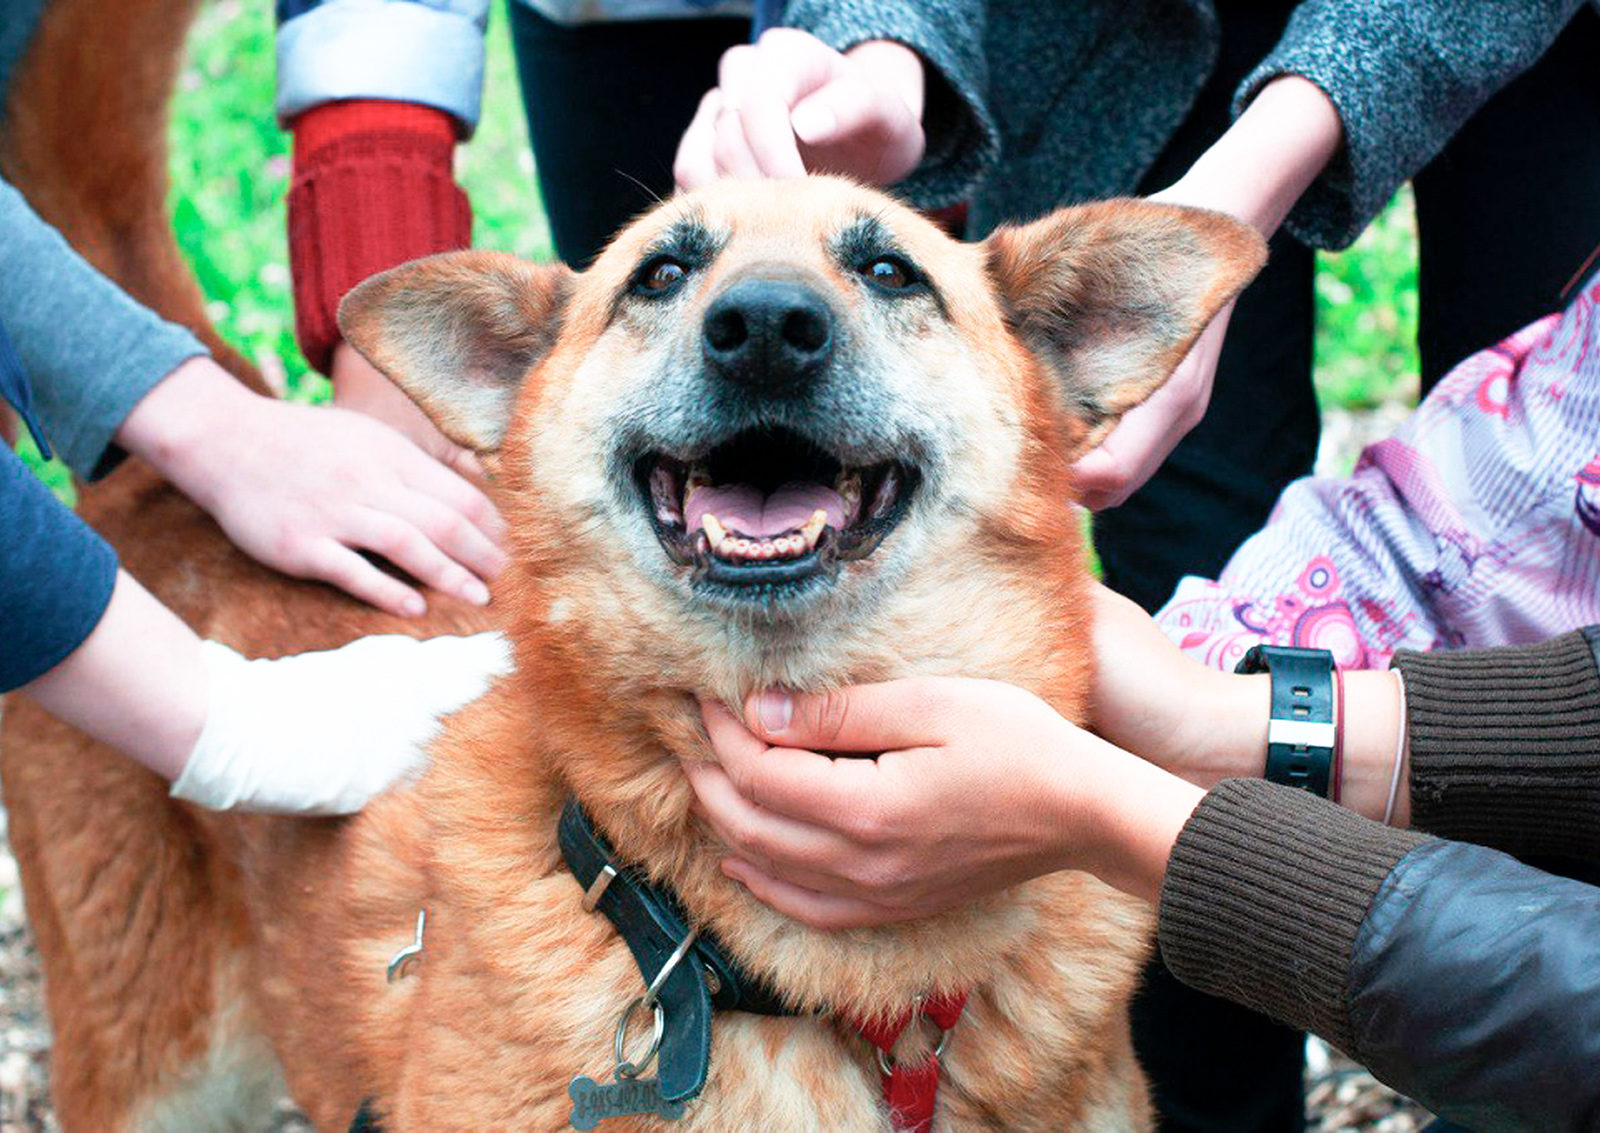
372	188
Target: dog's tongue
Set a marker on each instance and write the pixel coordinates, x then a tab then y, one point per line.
747	510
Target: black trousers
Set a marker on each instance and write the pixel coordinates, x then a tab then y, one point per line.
1506	213
606	105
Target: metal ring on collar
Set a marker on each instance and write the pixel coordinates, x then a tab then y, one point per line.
673	961
886	1062
626	1069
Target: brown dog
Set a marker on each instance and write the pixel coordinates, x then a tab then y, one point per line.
742	359
780	433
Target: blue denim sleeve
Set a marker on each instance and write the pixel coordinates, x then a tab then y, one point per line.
56	576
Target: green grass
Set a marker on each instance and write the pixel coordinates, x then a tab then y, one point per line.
230	171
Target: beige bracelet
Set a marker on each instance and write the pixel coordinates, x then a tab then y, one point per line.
1399	751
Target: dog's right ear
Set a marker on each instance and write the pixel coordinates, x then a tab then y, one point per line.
459	332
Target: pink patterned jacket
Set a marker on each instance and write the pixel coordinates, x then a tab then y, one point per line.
1477	524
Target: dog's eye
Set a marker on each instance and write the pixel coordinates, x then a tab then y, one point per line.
890	273
659	276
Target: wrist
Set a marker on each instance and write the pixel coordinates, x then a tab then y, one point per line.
1262	164
1226	736
895	67
1118	817
177	424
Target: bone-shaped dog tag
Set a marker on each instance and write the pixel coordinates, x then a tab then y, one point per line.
593	1102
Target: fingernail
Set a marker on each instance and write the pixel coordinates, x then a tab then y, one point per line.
414	606
774	708
475	592
812	122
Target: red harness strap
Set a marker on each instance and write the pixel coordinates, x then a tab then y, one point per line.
910	1091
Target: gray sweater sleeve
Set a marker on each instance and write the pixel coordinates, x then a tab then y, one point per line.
962	140
1404	75
90	351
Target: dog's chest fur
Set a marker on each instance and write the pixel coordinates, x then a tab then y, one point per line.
520	989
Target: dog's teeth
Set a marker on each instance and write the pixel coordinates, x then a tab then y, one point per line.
715	532
848	485
812	531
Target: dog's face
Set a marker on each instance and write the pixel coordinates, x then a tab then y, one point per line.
780	404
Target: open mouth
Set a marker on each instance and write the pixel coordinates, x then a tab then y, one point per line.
769	507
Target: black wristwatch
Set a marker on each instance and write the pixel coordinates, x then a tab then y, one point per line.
1301	736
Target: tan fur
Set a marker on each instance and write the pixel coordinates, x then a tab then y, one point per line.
172	938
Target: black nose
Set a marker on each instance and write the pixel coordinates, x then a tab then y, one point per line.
773	335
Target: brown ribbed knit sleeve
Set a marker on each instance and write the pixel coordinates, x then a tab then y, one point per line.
372	188
1505	746
1264	894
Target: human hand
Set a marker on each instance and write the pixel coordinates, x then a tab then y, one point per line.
979	786
789	104
1138	444
1255	172
360	386
323	733
305	489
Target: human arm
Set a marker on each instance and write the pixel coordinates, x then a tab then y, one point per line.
92	646
1255	172
1404	77
1371	936
302	489
376	96
1458	975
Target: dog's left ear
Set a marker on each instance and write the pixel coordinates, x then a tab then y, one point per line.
1110	296
459	332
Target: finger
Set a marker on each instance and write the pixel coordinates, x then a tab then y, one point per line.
694	165
840	795
401	542
820	910
455	491
1127	457
781	844
730	150
864	718
764	119
794	64
452	534
754	95
336	564
871	132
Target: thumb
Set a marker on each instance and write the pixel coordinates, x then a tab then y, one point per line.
863	718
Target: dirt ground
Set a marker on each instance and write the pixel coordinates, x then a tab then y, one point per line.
1340	1096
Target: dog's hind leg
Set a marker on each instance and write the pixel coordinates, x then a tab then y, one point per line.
141	942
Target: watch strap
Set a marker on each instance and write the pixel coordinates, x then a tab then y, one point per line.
1301	733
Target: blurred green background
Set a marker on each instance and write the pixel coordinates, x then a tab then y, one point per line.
230	171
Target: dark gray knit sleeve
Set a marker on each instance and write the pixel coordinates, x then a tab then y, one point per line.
1404	75
1505	745
962	141
1265	893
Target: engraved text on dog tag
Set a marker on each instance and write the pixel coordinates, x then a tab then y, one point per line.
593	1102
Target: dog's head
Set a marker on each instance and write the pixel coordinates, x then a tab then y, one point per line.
773	413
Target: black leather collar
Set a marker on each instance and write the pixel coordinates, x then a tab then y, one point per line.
653	924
